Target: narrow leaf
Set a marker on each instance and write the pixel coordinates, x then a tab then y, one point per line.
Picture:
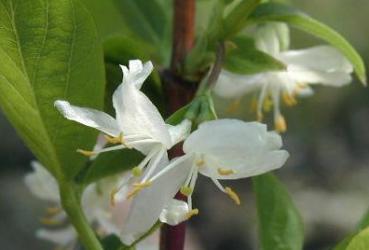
285	13
236	20
246	59
280	224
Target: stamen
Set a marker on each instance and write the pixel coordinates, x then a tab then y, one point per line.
288	99
136	171
224	171
234	106
86	152
200	163
137	187
267	104
186	190
53	210
50	222
233	195
114	140
280	124
112	196
192	213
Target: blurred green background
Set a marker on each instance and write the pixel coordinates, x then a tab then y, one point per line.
327	173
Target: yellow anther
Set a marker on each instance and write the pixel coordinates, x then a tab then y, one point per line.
112	196
233	195
86	152
137	187
280	124
267	104
53	210
254	105
225	171
192	213
136	171
234	106
186	190
50	222
200	163
289	99
259	116
114	140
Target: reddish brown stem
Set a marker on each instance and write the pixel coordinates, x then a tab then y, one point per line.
178	92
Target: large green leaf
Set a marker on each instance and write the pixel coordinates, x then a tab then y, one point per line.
246	59
286	13
49	50
108	18
280	224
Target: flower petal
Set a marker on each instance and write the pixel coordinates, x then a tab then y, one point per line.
322	58
320	64
42	184
230	85
137	73
148	204
180	131
61	237
272	38
243	148
174	212
137	115
89	117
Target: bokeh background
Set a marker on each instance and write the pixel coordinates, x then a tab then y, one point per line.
327	173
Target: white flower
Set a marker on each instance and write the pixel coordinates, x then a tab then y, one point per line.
320	64
137	124
220	149
95	203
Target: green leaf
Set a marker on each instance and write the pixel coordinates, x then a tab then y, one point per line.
149	21
109	164
364	222
359	241
280	224
49	50
108	18
285	13
236	20
246	59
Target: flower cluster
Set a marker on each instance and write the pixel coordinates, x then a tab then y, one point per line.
219	149
223	149
321	64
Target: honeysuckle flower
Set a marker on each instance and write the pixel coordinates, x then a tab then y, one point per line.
221	150
320	64
137	124
95	203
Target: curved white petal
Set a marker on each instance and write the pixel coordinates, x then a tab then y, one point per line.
321	58
272	37
306	75
148	204
137	72
137	115
180	131
246	148
61	237
89	117
42	184
174	212
230	85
